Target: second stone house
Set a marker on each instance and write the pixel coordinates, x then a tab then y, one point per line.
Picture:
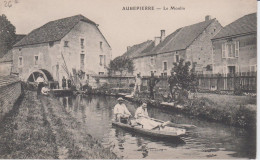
67	47
235	47
191	43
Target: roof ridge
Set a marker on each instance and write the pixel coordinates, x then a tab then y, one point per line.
201	32
199	23
243	25
178	32
66	18
53	30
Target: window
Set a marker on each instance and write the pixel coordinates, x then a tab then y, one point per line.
177	58
82	57
100	45
105	60
101	60
230	49
36	59
82	43
253	68
101	73
152	61
66	43
164	66
231	69
20	61
51	43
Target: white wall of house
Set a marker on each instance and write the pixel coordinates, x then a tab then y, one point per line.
237	52
95	48
5	68
87	40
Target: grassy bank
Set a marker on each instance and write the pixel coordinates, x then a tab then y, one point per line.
228	109
235	114
40	128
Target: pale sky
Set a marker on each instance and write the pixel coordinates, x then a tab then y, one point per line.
125	28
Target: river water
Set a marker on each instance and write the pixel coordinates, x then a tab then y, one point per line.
208	140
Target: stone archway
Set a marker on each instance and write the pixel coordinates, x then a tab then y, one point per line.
34	75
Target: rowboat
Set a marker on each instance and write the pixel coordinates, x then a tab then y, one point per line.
170	135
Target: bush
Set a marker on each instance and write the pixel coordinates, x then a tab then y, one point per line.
231	115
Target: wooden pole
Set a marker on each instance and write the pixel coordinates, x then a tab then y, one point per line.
67	69
33	77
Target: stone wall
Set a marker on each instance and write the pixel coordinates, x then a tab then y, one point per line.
46	59
10	90
200	51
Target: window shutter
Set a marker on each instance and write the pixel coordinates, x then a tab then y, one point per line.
237	49
223	50
237	68
224	69
105	60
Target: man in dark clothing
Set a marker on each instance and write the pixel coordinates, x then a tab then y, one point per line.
151	84
63	83
69	83
173	81
40	80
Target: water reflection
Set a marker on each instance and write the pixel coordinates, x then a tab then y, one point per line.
206	141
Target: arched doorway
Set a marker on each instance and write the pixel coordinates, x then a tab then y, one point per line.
35	74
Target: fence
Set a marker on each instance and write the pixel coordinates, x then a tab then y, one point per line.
246	82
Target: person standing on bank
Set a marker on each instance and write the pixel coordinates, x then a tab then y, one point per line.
138	83
151	83
63	83
69	83
121	112
173	82
40	80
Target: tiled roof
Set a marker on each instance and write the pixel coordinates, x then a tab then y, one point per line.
179	39
244	25
139	49
52	31
182	37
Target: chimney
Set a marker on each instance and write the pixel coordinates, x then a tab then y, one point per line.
162	35
157	40
207	17
127	48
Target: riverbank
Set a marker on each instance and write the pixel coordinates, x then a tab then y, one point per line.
42	129
239	111
233	110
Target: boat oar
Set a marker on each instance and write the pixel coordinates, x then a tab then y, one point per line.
168	123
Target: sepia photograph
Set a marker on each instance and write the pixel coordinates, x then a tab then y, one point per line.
128	79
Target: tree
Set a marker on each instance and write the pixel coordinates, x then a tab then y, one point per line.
186	77
7	35
121	64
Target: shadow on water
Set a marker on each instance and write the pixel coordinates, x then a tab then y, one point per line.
207	140
173	142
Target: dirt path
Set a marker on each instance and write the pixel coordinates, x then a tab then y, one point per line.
40	128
